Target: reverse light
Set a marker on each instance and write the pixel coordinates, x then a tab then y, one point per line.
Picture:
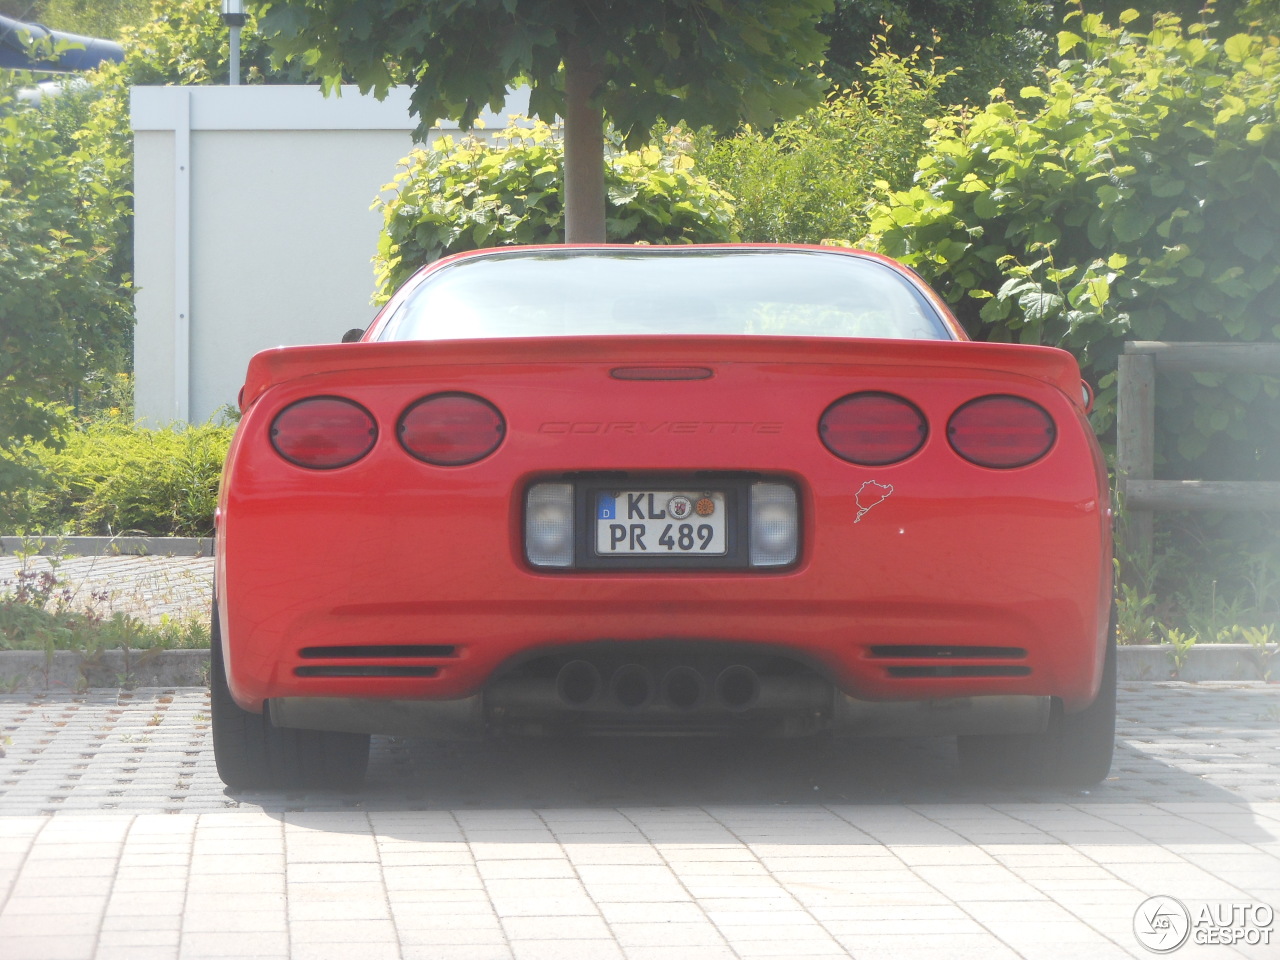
548	525
451	429
873	429
775	525
323	432
1001	432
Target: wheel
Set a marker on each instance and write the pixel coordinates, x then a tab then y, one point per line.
251	753
1075	750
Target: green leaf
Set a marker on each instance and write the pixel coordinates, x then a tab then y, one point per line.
1238	47
1040	306
1259	132
1132	222
1163	185
1256	239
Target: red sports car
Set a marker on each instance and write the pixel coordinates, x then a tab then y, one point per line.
768	490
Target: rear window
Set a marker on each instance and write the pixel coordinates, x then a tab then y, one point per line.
647	291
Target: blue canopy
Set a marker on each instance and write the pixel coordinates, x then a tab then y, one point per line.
85	53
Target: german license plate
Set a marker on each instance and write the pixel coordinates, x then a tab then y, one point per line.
661	523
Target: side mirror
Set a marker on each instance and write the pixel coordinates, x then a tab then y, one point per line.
353	335
1087	396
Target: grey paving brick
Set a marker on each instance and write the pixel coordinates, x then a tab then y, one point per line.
108	800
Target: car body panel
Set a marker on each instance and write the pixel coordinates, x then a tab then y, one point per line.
932	550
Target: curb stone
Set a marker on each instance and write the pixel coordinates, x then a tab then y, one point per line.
34	671
23	671
1203	661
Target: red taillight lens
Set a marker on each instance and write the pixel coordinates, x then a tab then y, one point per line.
451	429
873	429
1001	432
323	432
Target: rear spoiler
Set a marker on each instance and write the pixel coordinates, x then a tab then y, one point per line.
283	364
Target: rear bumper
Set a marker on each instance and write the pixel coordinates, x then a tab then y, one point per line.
501	710
906	649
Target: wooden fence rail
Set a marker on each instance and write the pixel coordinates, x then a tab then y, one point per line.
1136	427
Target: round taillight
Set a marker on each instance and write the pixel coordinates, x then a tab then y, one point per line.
1001	432
451	429
873	429
323	432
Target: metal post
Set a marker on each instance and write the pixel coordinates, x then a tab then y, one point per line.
1135	445
235	56
233	16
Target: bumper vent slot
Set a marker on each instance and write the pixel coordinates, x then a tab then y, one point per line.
399	651
377	660
959	670
938	660
365	670
934	652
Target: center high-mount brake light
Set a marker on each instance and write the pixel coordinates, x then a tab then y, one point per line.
1001	432
323	432
661	373
451	429
873	429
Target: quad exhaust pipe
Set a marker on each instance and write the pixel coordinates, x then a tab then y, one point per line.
683	688
579	685
738	687
631	686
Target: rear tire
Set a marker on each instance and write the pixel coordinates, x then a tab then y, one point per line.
252	753
1075	751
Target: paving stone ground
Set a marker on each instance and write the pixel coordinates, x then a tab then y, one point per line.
150	588
118	840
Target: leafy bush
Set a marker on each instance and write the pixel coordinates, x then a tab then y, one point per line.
90	18
1139	201
66	240
185	42
989	43
63	305
112	478
467	194
812	178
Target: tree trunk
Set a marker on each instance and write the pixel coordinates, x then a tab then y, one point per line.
583	149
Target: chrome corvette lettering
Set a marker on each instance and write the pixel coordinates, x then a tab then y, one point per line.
639	428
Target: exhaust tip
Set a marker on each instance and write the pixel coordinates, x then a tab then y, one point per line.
738	687
577	684
683	688
631	685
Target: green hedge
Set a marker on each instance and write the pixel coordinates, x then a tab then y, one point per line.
813	178
467	194
1138	200
112	478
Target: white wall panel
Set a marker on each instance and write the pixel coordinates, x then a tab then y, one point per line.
253	228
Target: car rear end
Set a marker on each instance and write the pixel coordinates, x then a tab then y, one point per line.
884	521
